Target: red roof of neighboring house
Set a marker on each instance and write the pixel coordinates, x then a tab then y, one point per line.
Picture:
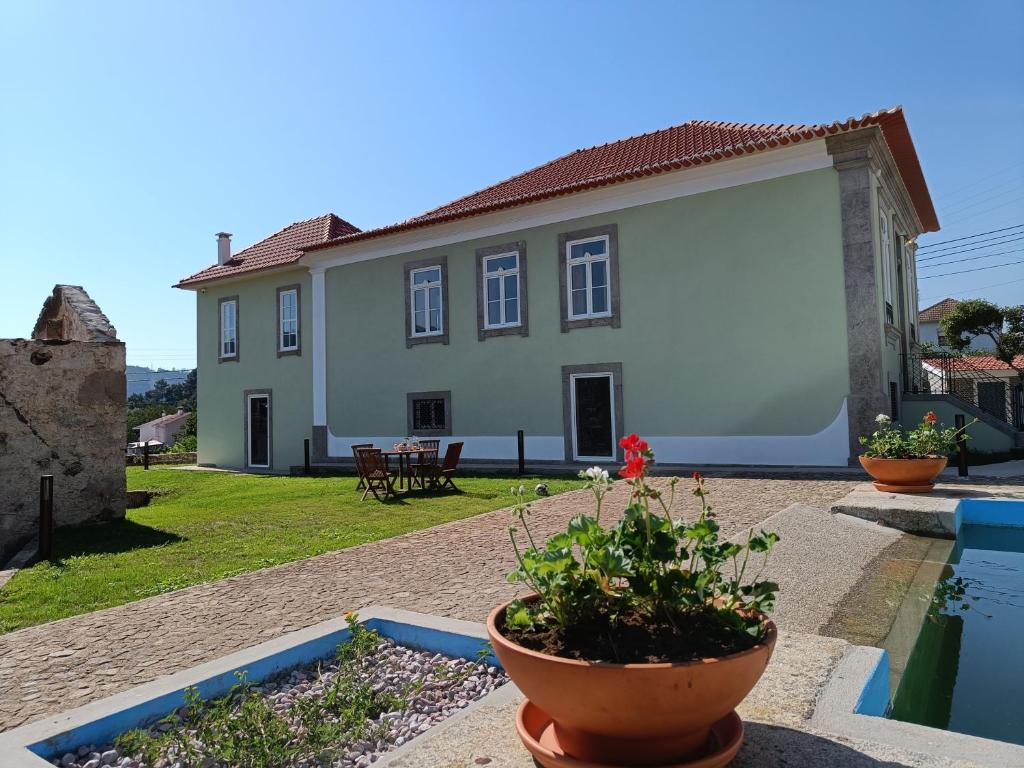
936	312
698	142
283	247
975	362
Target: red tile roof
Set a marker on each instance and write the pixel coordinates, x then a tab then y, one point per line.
975	362
936	312
283	247
698	142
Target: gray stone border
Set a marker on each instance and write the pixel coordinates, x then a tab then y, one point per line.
408	267
14	743
567	372
835	714
298	321
446	395
270	430
220	329
523	329
612	232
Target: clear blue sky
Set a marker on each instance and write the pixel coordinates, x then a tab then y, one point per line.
131	132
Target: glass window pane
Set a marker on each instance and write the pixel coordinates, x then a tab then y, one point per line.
588	248
427	276
420	321
600	299
579	302
511	310
419	297
510	261
511	286
435	299
599	273
493	289
435	320
494	313
579	276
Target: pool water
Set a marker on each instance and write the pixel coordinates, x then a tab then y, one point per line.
966	670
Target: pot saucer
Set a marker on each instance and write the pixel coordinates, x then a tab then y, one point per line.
903	488
538	735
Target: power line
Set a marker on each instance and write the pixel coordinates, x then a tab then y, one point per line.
954	248
989	195
969	250
973	290
972	258
982	180
1014	201
969	237
976	269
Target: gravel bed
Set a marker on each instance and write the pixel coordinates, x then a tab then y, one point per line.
434	686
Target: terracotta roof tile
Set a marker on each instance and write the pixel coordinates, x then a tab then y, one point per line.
974	362
698	142
936	312
282	247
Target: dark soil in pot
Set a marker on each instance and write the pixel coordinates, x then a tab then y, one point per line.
636	638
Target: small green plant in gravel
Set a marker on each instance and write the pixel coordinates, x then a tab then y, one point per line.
242	729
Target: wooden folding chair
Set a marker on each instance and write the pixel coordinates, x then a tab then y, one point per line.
441	476
375	473
355	454
426	463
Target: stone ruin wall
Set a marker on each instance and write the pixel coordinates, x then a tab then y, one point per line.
63	412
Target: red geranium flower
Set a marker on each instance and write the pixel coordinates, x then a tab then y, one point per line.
634	468
930	417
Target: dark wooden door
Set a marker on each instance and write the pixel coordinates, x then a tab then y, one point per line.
594	431
259	431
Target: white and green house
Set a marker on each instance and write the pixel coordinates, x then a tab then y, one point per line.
737	294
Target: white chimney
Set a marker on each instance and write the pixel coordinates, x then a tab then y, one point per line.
223	247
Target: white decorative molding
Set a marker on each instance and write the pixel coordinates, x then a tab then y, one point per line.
799	158
827	448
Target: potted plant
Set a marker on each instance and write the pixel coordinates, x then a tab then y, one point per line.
908	462
641	637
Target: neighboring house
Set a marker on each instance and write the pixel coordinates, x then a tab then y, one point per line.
164	429
982	381
931	333
62	413
736	293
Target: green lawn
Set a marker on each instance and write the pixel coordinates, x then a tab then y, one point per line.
206	526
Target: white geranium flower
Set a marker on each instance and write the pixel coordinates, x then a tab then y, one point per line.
595	475
882	419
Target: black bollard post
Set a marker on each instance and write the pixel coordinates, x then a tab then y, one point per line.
145	455
521	446
305	456
961	444
46	517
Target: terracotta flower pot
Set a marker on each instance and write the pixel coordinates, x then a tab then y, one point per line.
630	714
904	475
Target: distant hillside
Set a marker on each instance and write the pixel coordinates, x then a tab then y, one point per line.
142	379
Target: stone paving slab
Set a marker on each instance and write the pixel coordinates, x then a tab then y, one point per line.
455	570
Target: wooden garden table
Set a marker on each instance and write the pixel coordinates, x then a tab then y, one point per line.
405	464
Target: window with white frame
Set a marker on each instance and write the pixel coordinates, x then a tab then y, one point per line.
228	329
885	242
501	290
288	320
426	301
588	278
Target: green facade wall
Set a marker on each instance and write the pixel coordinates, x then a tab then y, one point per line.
222	384
733	322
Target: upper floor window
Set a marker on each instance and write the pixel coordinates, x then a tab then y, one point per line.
288	319
426	310
885	243
589	281
426	302
229	328
501	290
588	262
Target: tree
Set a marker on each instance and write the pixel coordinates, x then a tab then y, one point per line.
977	317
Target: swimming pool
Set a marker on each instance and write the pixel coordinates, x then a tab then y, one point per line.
965	672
